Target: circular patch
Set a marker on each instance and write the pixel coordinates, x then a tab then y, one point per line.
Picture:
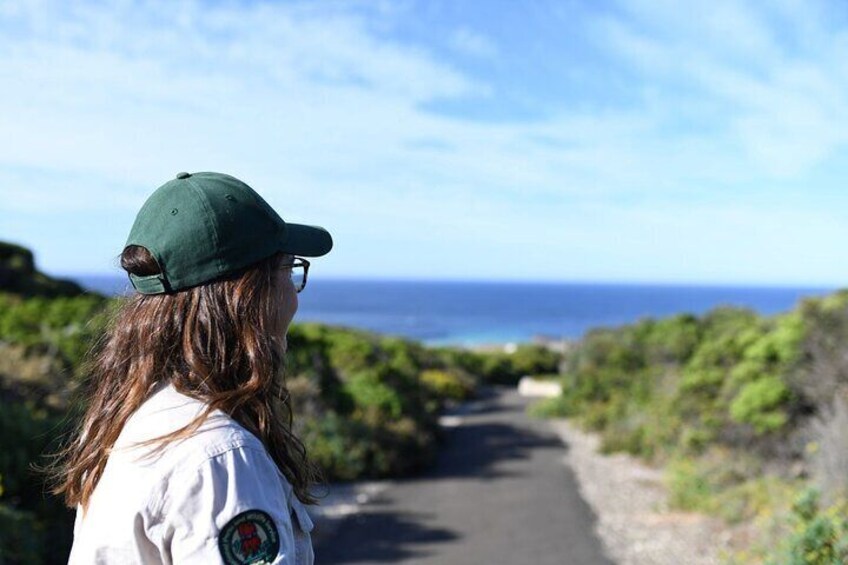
249	538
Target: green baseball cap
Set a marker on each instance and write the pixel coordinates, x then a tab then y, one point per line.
202	226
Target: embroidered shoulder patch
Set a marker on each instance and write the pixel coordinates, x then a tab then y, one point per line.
249	538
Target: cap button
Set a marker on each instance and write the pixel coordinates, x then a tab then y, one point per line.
183	175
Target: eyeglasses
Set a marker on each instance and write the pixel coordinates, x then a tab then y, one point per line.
298	269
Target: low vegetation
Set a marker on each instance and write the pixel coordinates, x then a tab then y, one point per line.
748	414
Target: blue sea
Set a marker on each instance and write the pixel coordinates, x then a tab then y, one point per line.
482	313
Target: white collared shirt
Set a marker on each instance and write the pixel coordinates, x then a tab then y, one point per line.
214	498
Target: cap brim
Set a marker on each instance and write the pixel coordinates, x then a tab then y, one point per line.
309	241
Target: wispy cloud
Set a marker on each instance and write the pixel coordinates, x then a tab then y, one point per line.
772	88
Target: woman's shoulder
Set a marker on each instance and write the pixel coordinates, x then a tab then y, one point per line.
167	411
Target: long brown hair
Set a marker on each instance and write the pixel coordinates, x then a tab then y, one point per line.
217	342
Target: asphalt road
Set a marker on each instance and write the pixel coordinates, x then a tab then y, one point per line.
499	494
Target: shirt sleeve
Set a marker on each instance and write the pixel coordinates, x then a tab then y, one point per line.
233	510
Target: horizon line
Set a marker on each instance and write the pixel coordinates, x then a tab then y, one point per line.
539	282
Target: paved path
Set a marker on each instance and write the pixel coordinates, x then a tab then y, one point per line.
499	494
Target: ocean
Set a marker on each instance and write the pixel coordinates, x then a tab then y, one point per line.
487	313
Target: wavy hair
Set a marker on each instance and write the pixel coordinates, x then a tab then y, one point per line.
217	342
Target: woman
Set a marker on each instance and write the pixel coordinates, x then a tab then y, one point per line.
185	452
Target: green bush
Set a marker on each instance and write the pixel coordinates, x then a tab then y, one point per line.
447	385
689	489
750	497
349	352
720	378
534	360
499	367
670	341
555	407
380	400
621	436
338	445
819	535
761	404
496	368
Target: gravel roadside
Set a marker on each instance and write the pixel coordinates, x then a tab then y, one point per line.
631	503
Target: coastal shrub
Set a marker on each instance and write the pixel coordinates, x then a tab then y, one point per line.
646	428
554	407
753	497
599	415
307	357
501	367
726	335
760	403
447	385
33	320
722	378
693	440
625	436
689	488
349	352
529	359
400	448
351	448
402	356
704	381
720	481
387	389
824	371
338	445
496	368
781	344
469	361
380	401
670	340
828	451
62	329
614	351
819	534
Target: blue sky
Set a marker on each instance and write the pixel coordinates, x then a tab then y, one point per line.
626	141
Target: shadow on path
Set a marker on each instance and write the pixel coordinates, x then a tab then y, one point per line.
391	537
494	433
482	450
